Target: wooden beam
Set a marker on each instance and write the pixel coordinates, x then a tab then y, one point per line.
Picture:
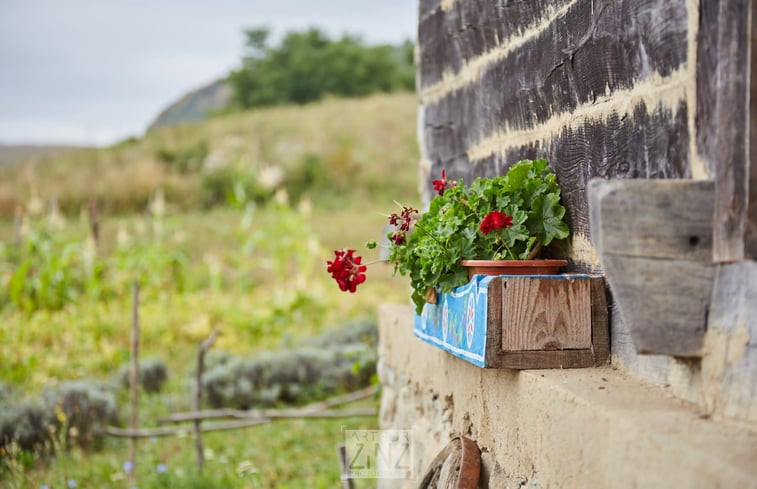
730	122
234	425
652	218
303	411
751	226
653	240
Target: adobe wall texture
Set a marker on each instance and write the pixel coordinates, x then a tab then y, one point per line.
600	88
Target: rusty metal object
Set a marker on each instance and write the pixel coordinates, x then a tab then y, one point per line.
457	466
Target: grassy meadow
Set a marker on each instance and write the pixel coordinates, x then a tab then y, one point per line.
227	225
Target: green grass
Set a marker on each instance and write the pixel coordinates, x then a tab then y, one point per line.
283	454
257	275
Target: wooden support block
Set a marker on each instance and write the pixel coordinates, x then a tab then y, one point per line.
652	218
729	366
654	240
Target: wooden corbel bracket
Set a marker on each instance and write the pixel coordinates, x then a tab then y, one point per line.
654	241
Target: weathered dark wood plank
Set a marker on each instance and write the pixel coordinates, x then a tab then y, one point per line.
526	360
729	368
706	80
494	323
539	314
652	218
590	52
450	40
426	7
471	28
663	302
600	322
751	225
721	119
652	238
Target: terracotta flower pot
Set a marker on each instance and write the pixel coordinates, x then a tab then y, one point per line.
513	267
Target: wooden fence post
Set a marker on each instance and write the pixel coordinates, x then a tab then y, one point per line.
201	350
134	376
344	467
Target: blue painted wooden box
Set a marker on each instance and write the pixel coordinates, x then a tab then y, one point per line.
521	321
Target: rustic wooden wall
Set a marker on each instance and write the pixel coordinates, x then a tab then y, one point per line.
601	88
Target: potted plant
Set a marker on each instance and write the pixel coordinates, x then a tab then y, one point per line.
506	219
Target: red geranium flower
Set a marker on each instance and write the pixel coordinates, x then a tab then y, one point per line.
442	185
347	270
495	220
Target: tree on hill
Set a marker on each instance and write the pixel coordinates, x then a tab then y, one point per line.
307	65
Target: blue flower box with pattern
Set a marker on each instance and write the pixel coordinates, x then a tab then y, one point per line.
521	321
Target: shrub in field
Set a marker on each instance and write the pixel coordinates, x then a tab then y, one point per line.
6	392
66	413
338	360
152	375
30	425
184	160
80	407
290	377
356	331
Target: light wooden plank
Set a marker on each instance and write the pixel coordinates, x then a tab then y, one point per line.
652	218
596	354
545	314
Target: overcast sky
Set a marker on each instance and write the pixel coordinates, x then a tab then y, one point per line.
97	71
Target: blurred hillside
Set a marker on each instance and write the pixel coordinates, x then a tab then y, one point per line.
333	151
24	152
196	105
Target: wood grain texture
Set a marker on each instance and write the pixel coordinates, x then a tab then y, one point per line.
722	118
600	322
652	218
653	240
596	355
635	36
451	39
546	314
751	224
596	47
663	302
729	369
592	51
641	147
